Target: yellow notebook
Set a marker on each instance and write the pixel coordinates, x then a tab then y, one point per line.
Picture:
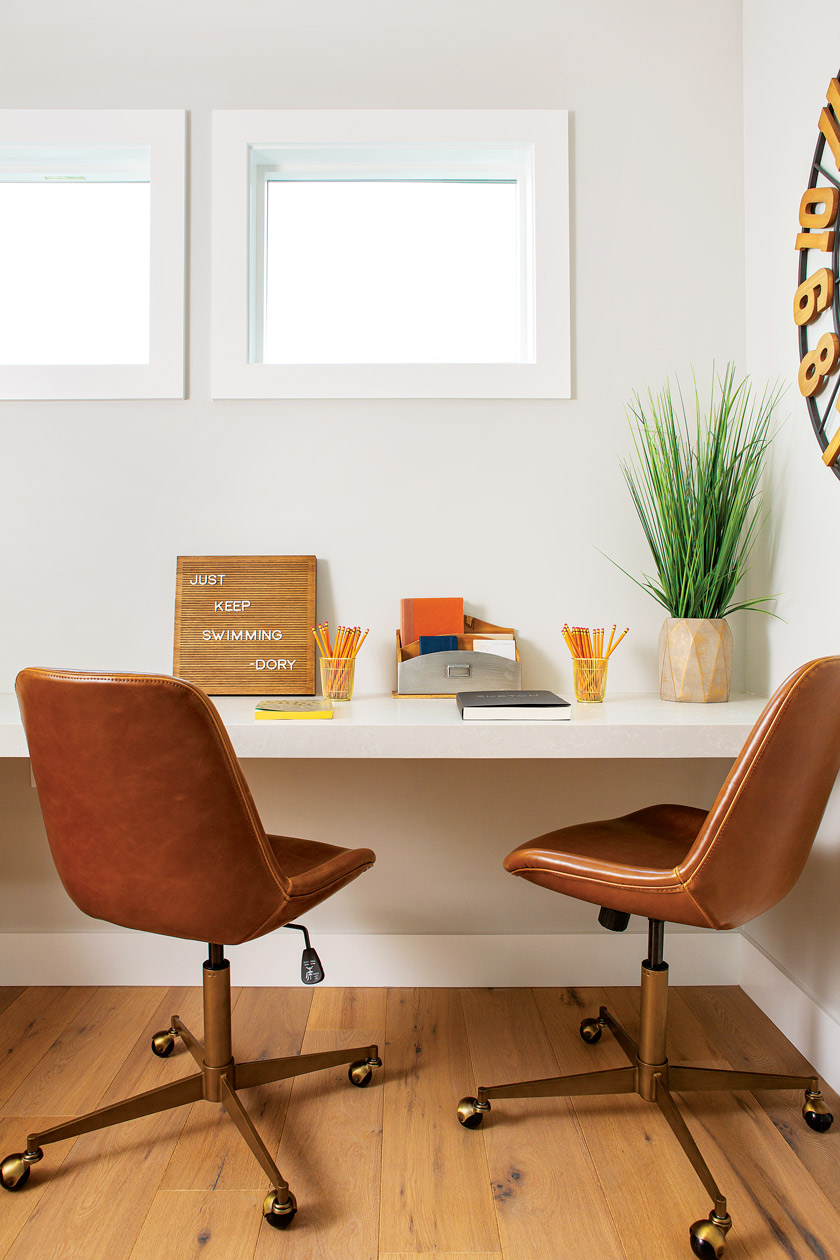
293	707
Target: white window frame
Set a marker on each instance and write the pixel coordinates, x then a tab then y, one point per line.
531	145
164	131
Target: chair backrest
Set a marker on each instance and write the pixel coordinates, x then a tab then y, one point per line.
149	818
756	839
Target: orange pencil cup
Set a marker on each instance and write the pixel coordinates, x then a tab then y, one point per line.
337	677
590	673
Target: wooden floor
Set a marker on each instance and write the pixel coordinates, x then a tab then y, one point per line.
387	1172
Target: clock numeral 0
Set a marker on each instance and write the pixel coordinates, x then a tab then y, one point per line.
818	364
814	220
828	198
814	294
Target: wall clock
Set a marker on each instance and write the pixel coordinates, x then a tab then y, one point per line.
816	304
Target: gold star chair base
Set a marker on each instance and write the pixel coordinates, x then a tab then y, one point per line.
219	1079
653	1078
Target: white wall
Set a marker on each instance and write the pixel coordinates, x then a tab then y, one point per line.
790	54
99	498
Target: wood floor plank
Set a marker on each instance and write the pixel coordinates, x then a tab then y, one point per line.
652	1191
200	1223
435	1187
542	1174
143	1070
741	1030
268	1024
331	1155
753	1043
87	1055
28	1029
97	1200
18	1207
9	994
347	1008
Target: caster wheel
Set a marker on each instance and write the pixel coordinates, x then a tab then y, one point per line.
471	1113
279	1216
820	1122
707	1240
360	1073
163	1043
14	1170
816	1113
590	1030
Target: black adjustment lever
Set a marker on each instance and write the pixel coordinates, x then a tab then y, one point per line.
311	971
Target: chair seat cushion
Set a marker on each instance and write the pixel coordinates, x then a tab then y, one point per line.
629	863
314	872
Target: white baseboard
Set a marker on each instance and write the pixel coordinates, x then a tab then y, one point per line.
369	960
812	1027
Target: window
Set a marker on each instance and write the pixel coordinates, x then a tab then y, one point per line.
390	254
389	271
91	304
74	256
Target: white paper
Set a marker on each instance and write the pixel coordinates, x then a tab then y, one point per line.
498	647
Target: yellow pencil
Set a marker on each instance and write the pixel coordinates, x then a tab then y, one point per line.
585	643
361	641
618	640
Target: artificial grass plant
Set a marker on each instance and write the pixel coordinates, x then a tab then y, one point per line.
695	488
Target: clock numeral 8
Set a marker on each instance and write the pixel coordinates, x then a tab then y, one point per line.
818	364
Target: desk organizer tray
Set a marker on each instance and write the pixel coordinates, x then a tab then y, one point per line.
442	674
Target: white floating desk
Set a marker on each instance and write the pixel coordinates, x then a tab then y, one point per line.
630	725
430	792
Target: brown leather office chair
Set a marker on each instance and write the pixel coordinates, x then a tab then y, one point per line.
152	826
676	864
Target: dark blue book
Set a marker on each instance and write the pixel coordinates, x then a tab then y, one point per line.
438	643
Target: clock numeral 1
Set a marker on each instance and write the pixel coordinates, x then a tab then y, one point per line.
833	449
818	363
829	124
813	296
823	241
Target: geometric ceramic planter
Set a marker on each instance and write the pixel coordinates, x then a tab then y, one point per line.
695	659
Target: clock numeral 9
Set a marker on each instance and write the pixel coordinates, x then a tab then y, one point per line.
813	296
818	364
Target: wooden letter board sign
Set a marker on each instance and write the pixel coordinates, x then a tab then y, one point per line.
243	624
